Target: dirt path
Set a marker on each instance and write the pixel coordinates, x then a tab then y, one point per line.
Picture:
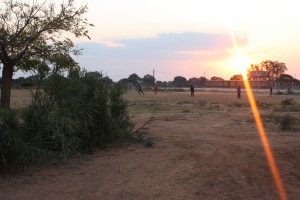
205	148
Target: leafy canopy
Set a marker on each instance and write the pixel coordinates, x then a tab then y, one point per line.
33	32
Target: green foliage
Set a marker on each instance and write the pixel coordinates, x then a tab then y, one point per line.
30	34
68	116
12	147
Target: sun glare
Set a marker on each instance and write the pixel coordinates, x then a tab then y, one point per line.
239	65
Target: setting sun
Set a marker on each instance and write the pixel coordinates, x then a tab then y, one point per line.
239	65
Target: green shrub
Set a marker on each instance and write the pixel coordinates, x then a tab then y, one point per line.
13	150
68	116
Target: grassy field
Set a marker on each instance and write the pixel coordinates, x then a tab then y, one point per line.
20	98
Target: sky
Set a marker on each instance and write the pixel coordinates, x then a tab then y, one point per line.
190	38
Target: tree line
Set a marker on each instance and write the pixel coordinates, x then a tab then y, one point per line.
272	71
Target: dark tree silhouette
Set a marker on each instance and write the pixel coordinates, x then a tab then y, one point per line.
31	34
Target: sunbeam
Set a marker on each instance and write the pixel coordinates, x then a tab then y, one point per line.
265	143
263	136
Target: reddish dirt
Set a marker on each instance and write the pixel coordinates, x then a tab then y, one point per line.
205	147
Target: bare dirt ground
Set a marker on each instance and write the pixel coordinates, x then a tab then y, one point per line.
206	147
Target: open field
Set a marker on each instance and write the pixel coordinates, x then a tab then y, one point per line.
206	147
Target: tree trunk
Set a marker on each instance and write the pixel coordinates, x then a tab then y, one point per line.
7	74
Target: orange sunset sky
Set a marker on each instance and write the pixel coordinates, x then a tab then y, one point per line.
191	38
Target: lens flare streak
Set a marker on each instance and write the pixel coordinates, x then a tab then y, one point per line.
265	143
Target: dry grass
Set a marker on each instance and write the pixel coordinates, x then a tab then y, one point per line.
173	105
20	98
170	105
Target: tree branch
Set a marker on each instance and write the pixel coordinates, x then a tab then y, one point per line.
143	125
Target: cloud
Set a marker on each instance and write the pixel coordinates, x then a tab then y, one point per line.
126	56
170	43
183	42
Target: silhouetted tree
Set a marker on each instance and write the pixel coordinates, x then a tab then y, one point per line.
274	69
95	74
216	78
134	79
148	80
237	77
180	81
31	34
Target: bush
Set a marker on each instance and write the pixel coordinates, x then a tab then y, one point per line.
12	148
68	116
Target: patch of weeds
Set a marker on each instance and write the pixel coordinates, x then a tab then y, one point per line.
214	107
270	118
262	104
140	135
238	104
184	102
202	103
186	110
295	108
287	102
287	122
291	108
149	142
288	105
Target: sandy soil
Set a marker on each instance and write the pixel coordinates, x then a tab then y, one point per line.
206	147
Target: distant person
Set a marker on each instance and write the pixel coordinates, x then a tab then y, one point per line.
192	88
271	91
239	92
155	88
139	89
289	90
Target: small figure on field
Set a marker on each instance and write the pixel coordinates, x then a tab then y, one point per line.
139	89
155	88
192	88
289	90
239	92
271	91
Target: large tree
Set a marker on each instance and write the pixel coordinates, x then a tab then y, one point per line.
180	81
237	77
273	68
134	79
148	80
31	34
